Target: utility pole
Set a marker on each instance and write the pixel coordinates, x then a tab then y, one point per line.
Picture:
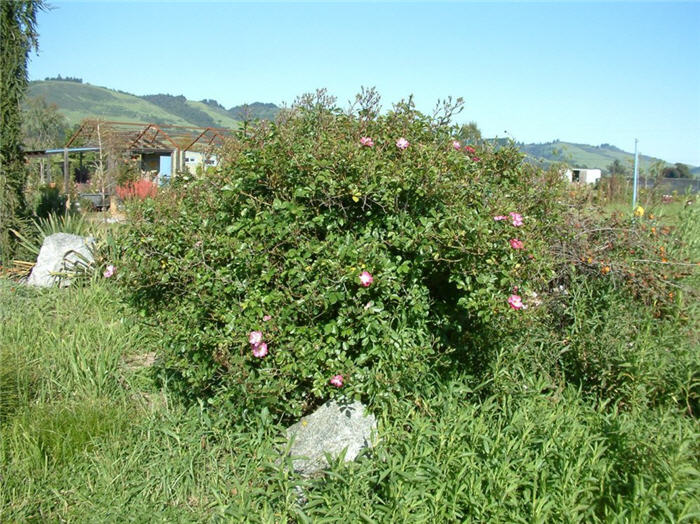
636	175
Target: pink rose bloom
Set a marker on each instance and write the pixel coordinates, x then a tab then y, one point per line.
266	318
366	141
456	144
259	350
517	219
255	337
109	271
469	149
516	244
515	302
499	218
366	278
337	381
475	159
402	143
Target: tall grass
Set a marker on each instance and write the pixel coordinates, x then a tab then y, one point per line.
88	438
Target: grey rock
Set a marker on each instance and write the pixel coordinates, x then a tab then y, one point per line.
332	428
60	253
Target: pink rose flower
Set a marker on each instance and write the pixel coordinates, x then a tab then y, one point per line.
475	158
515	302
469	149
366	278
499	218
366	141
109	271
516	244
255	337
337	381
517	219
456	144
402	143
266	318
259	350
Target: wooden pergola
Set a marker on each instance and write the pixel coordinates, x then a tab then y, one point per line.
142	138
147	137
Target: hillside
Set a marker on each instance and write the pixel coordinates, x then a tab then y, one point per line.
196	113
585	156
77	101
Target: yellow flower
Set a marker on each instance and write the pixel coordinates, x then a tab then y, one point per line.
639	211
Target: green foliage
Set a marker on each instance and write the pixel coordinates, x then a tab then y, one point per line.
60	78
19	37
617	168
254	111
469	133
31	240
43	126
47	201
677	171
286	229
89	438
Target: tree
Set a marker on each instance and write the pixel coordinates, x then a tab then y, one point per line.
43	126
469	133
677	171
617	168
18	36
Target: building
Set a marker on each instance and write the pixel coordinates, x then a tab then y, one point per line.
583	176
195	159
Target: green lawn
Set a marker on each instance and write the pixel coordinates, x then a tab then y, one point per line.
88	435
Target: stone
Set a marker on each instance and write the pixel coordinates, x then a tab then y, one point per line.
60	253
336	426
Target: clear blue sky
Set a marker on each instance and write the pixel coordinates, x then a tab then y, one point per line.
577	71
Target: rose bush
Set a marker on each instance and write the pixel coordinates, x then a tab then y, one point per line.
343	252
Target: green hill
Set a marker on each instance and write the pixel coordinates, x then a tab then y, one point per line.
587	156
77	101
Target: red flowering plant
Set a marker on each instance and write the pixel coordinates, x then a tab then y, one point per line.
139	189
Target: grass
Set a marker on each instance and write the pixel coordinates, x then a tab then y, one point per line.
88	436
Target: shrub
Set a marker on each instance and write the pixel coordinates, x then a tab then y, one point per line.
47	201
282	239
